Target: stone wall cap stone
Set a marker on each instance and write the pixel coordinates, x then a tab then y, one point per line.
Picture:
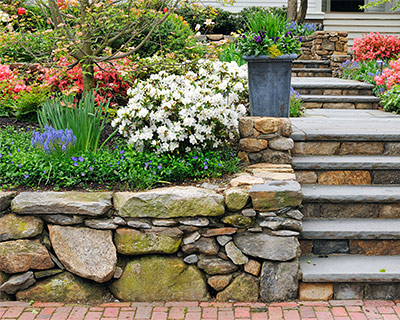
49	202
169	203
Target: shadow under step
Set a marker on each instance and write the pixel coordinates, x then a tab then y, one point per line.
311	72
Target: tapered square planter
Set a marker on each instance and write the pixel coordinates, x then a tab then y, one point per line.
269	85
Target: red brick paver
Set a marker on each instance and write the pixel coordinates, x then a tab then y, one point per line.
301	310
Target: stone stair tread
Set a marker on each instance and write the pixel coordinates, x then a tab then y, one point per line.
346	125
348	162
340	99
315	70
328	83
356	228
351	193
350	268
311	62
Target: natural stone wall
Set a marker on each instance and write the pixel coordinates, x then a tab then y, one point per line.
237	241
326	45
264	139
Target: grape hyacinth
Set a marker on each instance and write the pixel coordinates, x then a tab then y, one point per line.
52	140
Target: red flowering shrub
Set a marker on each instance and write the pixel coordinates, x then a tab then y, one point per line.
376	46
10	84
112	80
390	76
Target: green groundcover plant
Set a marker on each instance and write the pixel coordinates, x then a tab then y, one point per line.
115	167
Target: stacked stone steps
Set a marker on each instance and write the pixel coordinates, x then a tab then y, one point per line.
333	93
311	68
348	162
348	169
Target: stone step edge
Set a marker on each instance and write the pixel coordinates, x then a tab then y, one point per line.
299	136
351	193
347	162
337	85
350	268
338	99
352	228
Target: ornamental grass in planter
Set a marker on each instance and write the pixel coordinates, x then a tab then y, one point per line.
269	47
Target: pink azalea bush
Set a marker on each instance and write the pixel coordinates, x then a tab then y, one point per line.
10	83
376	46
390	76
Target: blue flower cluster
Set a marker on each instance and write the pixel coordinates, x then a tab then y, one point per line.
52	140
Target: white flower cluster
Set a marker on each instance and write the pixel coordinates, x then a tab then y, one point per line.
4	17
171	112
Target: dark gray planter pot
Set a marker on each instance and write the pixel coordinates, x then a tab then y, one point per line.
269	85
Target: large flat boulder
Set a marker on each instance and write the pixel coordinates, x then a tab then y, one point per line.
15	227
21	255
64	287
76	203
169	203
265	246
86	252
156	240
157	278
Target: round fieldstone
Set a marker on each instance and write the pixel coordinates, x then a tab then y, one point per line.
236	198
215	265
243	288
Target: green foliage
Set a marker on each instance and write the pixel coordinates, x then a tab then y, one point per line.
390	99
380	2
225	22
296	106
119	167
174	35
231	53
83	117
29	102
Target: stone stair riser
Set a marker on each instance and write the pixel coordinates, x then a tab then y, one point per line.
349	291
306	73
334	92
380	247
315	65
328	148
341	105
348	177
351	210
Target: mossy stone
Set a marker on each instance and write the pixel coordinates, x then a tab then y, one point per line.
243	288
236	198
15	227
158	240
238	221
64	287
158	278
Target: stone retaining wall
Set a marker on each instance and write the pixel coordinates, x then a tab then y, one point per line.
326	45
264	139
230	242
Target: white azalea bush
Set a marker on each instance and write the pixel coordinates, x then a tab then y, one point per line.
197	110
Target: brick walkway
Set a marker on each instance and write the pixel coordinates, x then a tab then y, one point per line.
334	310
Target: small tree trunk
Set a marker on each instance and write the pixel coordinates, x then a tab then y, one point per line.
301	15
88	76
292	10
